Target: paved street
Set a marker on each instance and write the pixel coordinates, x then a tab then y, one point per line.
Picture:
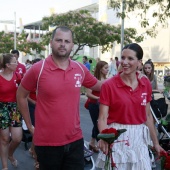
27	163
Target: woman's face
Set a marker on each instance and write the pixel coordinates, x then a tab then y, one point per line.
129	61
13	64
148	69
105	69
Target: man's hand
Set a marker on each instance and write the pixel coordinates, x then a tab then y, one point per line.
31	129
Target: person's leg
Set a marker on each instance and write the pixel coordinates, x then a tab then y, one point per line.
67	157
4	142
94	113
15	130
50	157
16	137
74	156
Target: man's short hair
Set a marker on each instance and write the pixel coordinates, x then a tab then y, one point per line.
15	52
85	57
62	28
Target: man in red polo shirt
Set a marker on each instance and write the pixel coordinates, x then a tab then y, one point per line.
21	69
58	136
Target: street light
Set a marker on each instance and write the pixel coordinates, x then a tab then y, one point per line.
14	23
122	26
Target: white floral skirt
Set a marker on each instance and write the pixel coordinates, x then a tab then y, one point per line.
132	157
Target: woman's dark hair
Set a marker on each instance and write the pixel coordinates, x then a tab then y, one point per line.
135	47
151	76
99	66
5	59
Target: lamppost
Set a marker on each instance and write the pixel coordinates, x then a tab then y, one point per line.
14	23
122	26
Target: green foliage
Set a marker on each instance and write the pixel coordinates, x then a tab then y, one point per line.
7	43
143	8
89	31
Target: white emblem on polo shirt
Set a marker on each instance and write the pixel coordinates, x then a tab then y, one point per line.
78	79
143	96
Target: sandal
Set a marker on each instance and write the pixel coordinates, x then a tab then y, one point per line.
14	162
31	153
36	165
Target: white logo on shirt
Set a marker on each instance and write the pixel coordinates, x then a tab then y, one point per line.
16	83
78	79
20	70
143	96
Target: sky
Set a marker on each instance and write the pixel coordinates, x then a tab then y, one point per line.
34	10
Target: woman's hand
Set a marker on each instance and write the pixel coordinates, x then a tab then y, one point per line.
103	146
159	149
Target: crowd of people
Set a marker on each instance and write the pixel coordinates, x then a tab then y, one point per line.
38	94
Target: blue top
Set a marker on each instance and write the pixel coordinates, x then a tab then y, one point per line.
87	64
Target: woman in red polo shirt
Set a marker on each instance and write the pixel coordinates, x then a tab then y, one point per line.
10	118
125	104
100	73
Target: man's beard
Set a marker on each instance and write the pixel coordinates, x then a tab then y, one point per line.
56	54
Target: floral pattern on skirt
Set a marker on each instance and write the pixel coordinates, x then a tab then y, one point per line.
9	115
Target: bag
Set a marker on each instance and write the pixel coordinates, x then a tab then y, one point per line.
86	105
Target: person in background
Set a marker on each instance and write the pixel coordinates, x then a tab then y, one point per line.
148	70
117	62
125	104
140	67
100	73
10	118
98	59
58	137
87	65
112	68
28	64
21	69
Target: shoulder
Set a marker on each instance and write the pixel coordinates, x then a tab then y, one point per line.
21	65
112	81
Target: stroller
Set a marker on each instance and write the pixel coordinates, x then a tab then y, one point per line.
159	109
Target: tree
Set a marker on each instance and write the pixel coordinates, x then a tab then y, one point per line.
88	31
159	10
7	43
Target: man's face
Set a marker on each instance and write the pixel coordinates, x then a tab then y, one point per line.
16	56
84	60
62	44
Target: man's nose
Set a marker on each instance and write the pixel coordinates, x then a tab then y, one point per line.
62	43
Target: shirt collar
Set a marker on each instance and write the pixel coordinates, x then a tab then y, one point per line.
120	83
53	66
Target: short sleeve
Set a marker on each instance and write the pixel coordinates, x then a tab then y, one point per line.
104	95
29	81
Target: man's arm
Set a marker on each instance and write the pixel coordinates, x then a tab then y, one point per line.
22	102
97	86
